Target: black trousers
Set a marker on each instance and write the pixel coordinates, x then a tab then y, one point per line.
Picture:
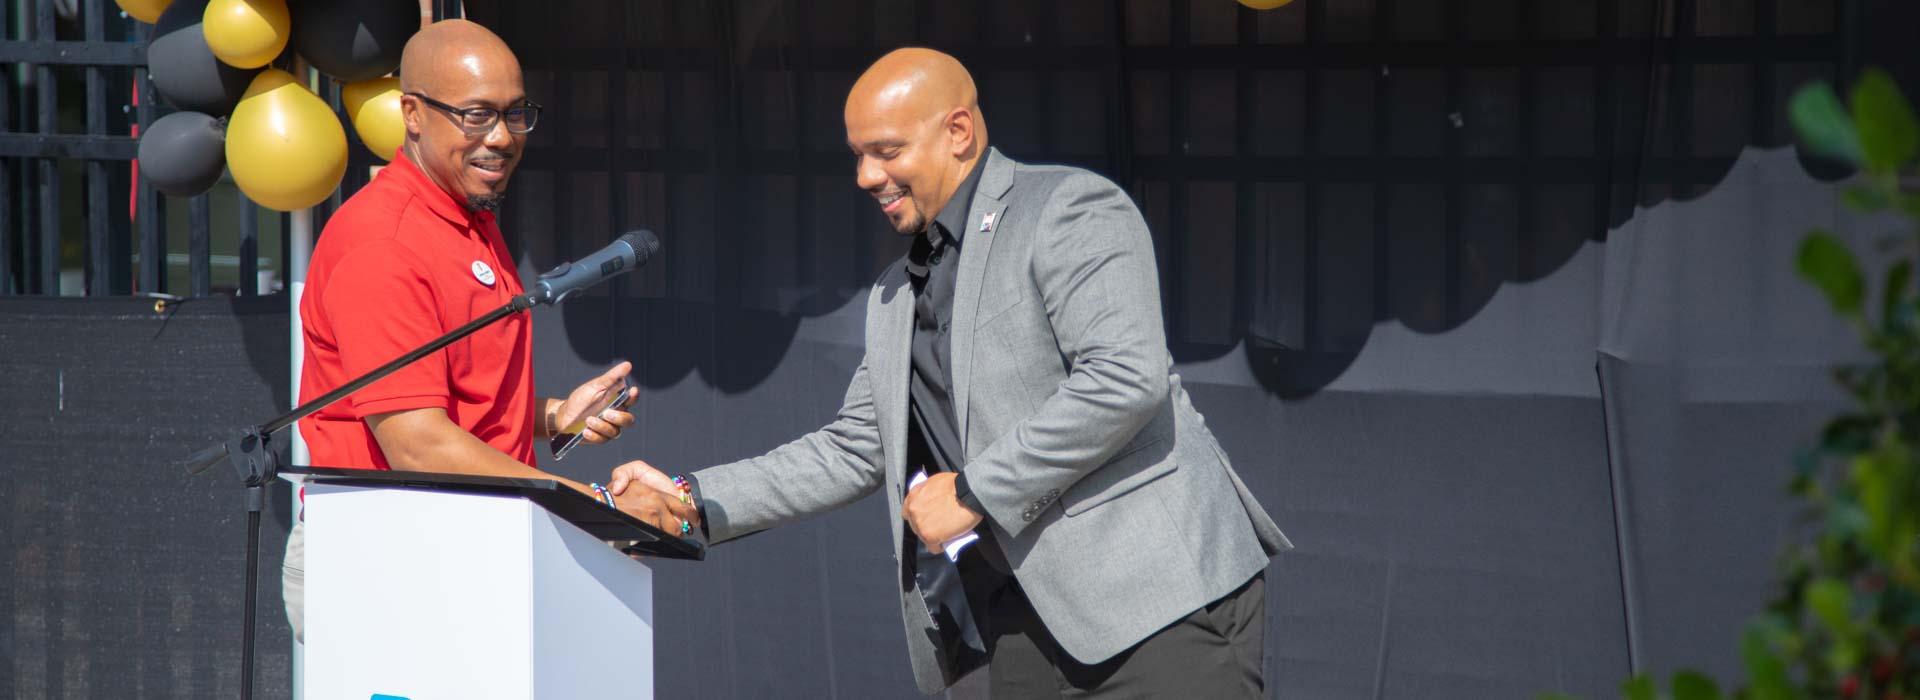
1213	652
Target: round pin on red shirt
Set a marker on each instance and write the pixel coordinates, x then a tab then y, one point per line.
483	273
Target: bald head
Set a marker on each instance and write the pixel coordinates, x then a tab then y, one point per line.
453	72
918	81
914	120
454	51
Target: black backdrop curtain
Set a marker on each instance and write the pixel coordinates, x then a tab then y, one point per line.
1489	301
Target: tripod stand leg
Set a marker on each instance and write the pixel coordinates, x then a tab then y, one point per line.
255	497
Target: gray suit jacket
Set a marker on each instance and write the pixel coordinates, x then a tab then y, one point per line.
1115	506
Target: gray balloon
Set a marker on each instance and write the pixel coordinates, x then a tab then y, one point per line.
182	153
185	71
354	40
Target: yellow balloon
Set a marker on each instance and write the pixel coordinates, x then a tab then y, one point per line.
144	10
1264	4
285	147
374	107
246	33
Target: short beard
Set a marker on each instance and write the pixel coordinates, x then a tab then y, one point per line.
486	202
917	226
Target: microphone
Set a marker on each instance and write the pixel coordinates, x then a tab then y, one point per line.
624	254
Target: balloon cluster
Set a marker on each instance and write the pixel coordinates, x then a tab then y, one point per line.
212	60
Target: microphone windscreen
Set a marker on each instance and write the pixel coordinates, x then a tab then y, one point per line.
645	244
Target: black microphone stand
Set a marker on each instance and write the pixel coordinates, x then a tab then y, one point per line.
257	461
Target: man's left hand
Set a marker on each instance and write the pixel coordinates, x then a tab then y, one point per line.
935	515
574	413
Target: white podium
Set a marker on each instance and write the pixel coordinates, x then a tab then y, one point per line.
430	590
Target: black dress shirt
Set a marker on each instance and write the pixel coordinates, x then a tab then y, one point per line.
933	265
957	596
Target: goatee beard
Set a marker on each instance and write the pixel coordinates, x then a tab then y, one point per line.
486	202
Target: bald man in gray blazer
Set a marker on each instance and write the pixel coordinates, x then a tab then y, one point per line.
1017	356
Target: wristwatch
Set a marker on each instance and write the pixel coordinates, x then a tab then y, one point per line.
964	494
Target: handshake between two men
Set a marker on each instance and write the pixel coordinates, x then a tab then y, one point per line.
666	502
932	508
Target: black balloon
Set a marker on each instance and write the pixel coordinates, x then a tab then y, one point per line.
183	153
185	72
353	40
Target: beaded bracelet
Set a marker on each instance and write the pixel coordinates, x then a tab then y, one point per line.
685	488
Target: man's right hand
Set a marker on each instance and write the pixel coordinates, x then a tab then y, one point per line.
656	491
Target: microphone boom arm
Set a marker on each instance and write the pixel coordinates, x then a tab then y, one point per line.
205	459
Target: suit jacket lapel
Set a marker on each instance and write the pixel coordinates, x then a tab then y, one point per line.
892	365
987	201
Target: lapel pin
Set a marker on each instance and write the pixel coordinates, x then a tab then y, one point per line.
986	222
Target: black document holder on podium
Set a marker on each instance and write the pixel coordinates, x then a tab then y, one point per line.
594	517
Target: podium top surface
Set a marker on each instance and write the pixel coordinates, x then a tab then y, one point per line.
574	507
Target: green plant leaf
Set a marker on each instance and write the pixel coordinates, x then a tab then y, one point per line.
1846	520
1909	203
1886	479
1832	602
1895	466
1848	433
1842	656
1692	685
1823	124
1884	121
1640	687
1766	674
1875	499
1827	263
1895	292
1865	199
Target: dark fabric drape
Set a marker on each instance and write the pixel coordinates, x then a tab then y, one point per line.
1490	302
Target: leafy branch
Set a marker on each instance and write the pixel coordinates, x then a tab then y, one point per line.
1846	622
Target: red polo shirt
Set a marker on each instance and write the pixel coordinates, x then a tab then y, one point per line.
398	265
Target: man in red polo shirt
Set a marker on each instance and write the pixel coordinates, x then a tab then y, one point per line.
417	253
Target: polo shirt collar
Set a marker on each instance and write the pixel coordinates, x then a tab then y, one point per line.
436	199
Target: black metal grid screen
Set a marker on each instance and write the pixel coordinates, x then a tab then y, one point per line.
114	231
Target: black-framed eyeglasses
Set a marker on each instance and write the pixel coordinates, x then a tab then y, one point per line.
479	120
